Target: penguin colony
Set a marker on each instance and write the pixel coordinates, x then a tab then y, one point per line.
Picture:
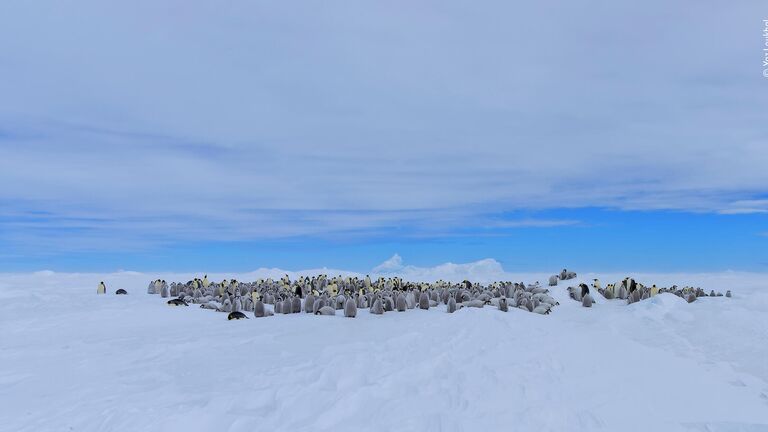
633	292
321	295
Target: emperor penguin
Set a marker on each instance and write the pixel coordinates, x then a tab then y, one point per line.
326	310
151	288
205	281
728	293
309	302
237	315
287	308
177	302
654	290
691	297
258	308
503	304
350	308
296	305
423	301
121	291
317	305
376	307
164	291
596	284
410	300
553	280
400	303
587	301
237	305
101	289
451	305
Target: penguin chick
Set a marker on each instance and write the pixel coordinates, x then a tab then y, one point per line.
503	304
350	308
326	310
587	301
424	301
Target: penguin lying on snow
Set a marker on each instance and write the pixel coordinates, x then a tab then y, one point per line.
236	316
121	292
177	302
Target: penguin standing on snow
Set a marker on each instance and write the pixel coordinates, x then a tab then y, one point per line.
350	308
258	309
451	305
376	307
101	289
423	301
400	303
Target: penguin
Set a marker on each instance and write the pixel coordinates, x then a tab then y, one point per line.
503	304
309	302
151	288
474	303
164	291
296	305
584	290
101	289
350	308
541	309
258	309
423	301
121	291
596	284
410	300
177	302
691	297
553	280
728	293
400	303
317	305
654	290
326	310
376	307
205	281
237	315
451	305
587	301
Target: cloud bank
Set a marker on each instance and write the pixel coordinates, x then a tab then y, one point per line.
154	122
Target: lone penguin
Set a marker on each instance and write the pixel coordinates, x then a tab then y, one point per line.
237	315
101	289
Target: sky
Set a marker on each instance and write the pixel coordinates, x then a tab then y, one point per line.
232	135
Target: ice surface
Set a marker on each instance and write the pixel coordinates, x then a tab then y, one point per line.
72	360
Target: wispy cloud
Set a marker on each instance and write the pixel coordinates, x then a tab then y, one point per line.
146	124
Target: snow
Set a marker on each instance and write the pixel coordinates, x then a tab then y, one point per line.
72	360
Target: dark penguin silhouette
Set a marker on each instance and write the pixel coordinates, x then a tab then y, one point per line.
121	292
177	302
236	316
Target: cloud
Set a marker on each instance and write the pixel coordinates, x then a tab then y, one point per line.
161	121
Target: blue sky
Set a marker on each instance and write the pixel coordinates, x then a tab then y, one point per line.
192	135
